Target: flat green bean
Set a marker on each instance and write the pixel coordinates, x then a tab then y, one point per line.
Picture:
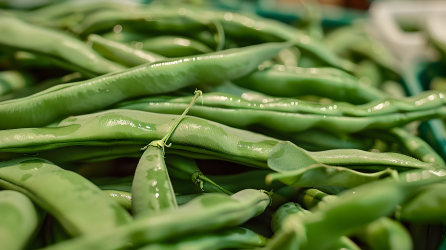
122	53
76	203
11	81
174	46
19	220
292	208
205	213
22	36
147	79
194	137
333	83
151	188
237	237
241	99
358	207
124	199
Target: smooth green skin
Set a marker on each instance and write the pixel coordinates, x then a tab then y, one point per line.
291	208
77	204
320	140
19	220
174	46
203	214
147	79
414	145
151	189
290	122
333	83
282	158
427	206
249	26
22	36
122	53
283	212
50	14
358	207
124	199
146	18
242	99
12	80
340	40
324	175
310	198
237	237
194	137
385	234
382	233
76	76
369	73
362	205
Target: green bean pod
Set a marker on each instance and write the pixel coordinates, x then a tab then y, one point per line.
147	79
205	213
237	237
124	199
19	220
413	145
426	207
358	207
194	137
249	26
295	209
256	101
122	53
382	233
280	80
22	36
174	46
323	175
385	234
291	122
76	203
151	188
11	81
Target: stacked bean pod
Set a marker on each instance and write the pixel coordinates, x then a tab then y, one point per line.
127	126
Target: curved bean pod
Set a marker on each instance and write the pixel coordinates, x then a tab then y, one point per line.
280	80
122	53
19	220
124	199
194	136
290	122
323	175
151	188
76	203
295	209
382	233
248	26
197	216
255	101
237	237
11	81
174	46
21	36
343	216
385	234
427	206
147	79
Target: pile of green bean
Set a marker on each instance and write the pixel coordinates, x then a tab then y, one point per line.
173	126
